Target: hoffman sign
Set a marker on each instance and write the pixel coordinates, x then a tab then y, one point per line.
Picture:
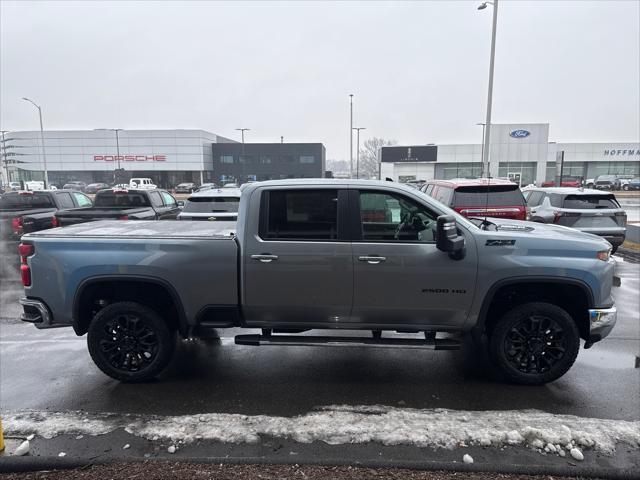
620	153
130	158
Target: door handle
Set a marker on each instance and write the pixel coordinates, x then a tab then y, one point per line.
372	259
264	257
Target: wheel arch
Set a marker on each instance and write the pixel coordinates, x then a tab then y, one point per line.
116	286
573	295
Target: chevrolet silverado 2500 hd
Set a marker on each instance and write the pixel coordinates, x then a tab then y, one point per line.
376	257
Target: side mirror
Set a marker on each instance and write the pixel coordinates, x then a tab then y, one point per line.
447	238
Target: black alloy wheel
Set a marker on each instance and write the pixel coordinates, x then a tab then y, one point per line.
130	342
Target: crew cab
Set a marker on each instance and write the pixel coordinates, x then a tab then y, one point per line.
374	257
479	197
30	211
123	204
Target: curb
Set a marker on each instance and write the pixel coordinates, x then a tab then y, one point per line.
33	464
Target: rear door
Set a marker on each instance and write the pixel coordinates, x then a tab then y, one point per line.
170	209
298	268
400	277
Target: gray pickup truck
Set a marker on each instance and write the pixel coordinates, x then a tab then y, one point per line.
375	257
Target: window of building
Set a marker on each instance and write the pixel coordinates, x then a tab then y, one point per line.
265	159
462	170
300	215
226	158
394	218
247	159
527	171
307	159
286	158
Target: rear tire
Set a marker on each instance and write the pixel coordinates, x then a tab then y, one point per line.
614	249
130	342
534	343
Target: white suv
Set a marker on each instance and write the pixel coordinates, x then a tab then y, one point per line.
142	184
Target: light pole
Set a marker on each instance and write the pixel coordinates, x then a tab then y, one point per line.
242	130
281	139
487	135
482	154
115	180
357	129
351	136
44	155
5	162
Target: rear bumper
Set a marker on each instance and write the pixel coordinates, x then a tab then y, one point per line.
601	322
37	312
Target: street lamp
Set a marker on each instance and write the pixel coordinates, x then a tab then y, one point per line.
487	135
117	147
44	155
357	129
351	136
3	150
242	130
482	154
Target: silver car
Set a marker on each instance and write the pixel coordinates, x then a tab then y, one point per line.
590	211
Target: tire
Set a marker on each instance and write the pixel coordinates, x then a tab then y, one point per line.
119	329
533	321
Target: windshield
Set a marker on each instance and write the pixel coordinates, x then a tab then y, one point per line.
590	201
110	199
212	204
18	201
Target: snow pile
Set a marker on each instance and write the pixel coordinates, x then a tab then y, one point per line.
436	428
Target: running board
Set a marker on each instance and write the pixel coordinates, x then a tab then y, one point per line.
300	341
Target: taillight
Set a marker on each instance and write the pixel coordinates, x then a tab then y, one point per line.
25	250
527	213
16	225
123	217
54	222
558	215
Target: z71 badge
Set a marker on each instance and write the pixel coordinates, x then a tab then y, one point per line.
499	243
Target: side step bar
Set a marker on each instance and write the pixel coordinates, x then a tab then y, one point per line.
325	341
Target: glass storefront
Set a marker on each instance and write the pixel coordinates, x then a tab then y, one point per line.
573	169
448	171
526	171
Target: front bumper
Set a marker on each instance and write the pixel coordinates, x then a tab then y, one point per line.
601	322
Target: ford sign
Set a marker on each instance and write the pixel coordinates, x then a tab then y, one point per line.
519	133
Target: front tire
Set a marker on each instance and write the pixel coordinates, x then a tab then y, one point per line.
130	342
534	343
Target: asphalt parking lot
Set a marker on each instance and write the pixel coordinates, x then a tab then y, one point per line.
51	371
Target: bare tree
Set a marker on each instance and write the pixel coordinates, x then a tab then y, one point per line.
369	165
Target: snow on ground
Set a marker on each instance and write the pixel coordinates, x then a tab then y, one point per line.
436	428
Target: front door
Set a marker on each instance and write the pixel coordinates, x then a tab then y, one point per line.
298	269
400	277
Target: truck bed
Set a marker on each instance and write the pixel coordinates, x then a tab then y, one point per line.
143	229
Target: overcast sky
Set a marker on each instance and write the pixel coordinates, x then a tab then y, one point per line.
418	70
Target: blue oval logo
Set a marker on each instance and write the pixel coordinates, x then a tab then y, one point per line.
519	133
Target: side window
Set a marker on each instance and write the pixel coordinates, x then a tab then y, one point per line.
534	199
299	215
65	200
156	199
169	201
393	218
82	200
445	194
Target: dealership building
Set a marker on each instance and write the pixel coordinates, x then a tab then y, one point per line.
168	157
517	151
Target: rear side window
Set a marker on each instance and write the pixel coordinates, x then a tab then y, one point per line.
169	201
299	215
156	199
82	199
212	204
444	195
590	201
479	196
110	199
65	200
535	198
17	201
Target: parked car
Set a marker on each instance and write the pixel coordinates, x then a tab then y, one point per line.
479	197
218	204
408	264
142	184
230	185
567	181
634	184
185	188
15	186
34	185
590	183
590	211
94	187
78	186
123	204
624	181
29	211
607	182
206	186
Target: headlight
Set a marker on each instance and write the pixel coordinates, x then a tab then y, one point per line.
604	255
